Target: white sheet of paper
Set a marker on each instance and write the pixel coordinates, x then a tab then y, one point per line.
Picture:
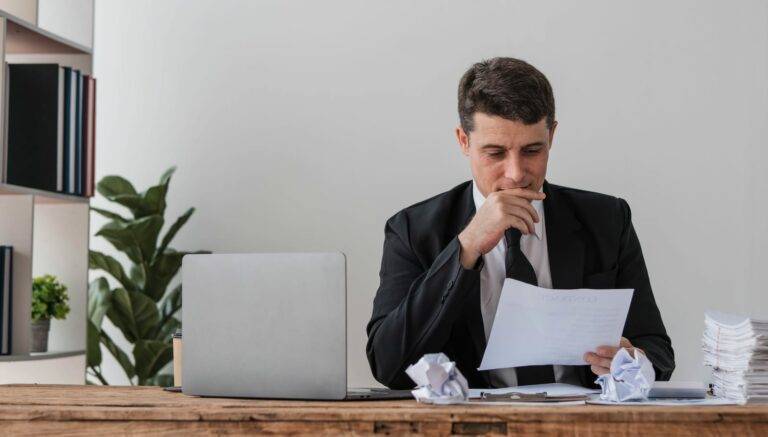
535	326
667	402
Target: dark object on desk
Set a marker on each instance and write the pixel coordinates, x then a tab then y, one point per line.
376	394
353	394
677	390
513	396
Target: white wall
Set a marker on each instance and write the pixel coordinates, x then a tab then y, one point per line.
72	19
304	125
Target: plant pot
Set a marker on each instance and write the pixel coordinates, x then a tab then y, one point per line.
40	330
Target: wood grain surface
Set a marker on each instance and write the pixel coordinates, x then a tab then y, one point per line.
98	410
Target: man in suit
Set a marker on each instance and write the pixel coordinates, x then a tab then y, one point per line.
445	258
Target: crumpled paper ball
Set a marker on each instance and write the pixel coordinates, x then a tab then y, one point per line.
630	378
438	380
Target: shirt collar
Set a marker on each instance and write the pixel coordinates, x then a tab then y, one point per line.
479	199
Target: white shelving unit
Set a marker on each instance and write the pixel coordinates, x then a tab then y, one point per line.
48	231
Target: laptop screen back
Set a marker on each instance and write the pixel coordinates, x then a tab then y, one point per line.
270	325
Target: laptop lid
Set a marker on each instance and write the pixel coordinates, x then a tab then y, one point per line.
267	325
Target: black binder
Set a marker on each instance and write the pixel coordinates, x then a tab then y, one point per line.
33	131
6	298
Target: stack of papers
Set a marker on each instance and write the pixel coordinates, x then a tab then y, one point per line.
736	347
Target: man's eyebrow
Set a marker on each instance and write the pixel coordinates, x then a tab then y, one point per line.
492	146
534	144
499	146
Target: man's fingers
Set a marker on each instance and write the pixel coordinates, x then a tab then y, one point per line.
506	201
597	370
516	202
597	360
607	351
523	214
524	193
520	224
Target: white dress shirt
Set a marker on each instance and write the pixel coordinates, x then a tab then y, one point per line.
492	277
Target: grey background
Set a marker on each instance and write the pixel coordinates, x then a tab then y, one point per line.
304	125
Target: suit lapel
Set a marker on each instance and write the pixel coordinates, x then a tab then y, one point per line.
565	246
474	316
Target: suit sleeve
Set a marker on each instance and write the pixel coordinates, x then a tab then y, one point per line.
644	327
415	306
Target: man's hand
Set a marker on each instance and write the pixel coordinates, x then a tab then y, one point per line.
600	360
502	210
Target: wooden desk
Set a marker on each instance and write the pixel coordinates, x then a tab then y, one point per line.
58	410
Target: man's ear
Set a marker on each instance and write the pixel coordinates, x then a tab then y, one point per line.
463	139
552	133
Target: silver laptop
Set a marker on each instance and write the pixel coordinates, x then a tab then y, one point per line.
268	325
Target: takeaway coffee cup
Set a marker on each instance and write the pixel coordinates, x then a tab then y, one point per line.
177	358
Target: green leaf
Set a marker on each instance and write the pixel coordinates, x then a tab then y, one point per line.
101	261
174	229
93	349
171	302
134	202
99	301
154	199
133	313
166	177
151	356
120	356
163	270
111	186
167	329
137	238
137	276
109	214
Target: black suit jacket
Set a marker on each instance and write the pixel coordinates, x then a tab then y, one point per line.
427	302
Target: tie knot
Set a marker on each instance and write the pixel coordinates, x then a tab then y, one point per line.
513	237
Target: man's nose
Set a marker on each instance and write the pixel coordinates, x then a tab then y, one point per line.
513	169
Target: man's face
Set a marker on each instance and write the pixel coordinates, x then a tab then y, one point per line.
506	154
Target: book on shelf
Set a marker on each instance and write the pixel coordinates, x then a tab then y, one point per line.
32	125
90	135
50	140
6	298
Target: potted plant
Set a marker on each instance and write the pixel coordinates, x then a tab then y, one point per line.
141	301
49	300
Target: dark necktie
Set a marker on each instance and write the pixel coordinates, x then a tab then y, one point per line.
519	268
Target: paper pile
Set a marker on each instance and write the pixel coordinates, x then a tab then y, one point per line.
630	379
439	380
736	347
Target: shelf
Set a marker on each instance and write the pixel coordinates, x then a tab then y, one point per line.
24	37
42	196
40	356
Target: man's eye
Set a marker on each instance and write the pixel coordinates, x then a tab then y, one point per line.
496	154
531	151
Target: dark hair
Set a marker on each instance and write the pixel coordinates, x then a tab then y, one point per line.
508	88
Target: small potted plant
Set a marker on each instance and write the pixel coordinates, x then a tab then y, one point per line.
49	300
